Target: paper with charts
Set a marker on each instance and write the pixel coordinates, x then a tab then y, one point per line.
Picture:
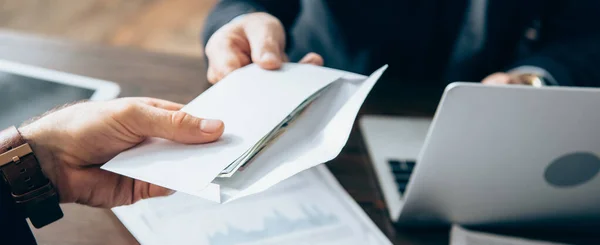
277	124
309	208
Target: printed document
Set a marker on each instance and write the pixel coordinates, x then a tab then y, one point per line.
309	208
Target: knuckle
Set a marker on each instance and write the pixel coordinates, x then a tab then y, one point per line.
275	26
269	19
179	119
128	108
270	42
244	60
263	21
228	43
232	63
228	28
147	101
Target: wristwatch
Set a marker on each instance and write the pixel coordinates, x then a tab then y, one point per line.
531	79
33	193
533	76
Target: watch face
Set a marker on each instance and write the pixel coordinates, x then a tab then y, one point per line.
530	79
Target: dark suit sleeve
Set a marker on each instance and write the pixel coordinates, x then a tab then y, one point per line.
13	227
225	10
569	48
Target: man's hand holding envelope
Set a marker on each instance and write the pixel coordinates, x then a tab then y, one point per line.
279	123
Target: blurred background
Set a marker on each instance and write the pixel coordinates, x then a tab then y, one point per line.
171	26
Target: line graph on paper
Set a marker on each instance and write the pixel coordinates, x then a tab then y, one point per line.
275	225
299	211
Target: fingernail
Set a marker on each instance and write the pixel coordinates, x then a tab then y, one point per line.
170	192
210	126
266	57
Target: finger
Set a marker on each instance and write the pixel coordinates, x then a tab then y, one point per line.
177	126
497	78
285	58
133	192
312	58
144	190
267	40
515	79
108	189
162	104
226	53
185	128
227	62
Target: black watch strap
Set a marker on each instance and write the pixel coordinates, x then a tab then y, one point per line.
33	193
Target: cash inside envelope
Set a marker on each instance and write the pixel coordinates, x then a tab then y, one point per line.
245	159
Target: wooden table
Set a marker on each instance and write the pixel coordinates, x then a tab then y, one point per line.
178	79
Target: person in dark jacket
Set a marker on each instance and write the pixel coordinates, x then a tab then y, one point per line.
427	43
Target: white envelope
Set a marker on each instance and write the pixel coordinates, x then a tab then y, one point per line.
251	102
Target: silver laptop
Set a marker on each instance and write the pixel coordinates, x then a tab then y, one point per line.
492	155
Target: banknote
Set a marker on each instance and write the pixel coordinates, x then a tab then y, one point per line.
245	159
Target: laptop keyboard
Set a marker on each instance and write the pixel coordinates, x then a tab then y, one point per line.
401	169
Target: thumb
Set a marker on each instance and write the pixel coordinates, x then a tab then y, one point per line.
177	126
267	41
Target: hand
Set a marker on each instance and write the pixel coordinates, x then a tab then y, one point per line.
72	143
504	78
256	37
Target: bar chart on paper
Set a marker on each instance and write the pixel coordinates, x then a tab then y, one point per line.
300	210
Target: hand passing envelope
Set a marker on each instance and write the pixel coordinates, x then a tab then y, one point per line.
258	104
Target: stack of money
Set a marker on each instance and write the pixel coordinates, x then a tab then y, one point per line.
245	159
